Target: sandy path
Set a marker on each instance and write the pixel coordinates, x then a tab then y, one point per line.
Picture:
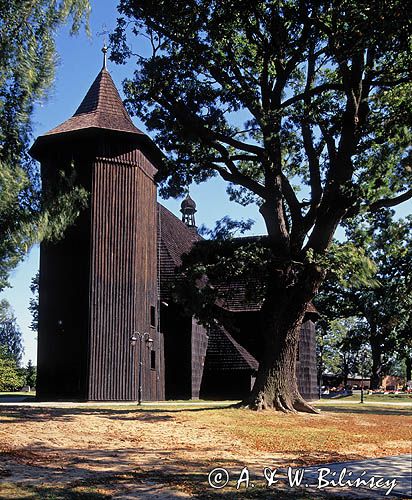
69	445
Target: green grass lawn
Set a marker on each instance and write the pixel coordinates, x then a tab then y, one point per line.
18	393
374	398
345	430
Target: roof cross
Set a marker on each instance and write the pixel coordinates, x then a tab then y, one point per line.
105	31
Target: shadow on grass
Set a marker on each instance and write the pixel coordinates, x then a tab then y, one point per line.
17	398
153	485
26	414
8	490
357	408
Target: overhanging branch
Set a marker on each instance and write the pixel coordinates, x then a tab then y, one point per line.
390	202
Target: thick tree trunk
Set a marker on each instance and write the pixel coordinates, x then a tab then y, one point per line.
376	372
408	363
345	371
282	315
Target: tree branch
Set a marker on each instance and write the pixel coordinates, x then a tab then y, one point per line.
390	202
312	92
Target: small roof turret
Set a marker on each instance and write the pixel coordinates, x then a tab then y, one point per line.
188	209
187	203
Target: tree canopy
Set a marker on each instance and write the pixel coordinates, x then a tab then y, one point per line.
11	377
27	65
301	106
322	91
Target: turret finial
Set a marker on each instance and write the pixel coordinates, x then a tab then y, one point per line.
104	50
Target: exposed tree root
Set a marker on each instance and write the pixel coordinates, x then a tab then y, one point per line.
303	406
279	403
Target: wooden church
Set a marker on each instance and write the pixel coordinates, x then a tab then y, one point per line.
109	329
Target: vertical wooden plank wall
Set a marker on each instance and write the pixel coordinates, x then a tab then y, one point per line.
306	365
123	277
199	348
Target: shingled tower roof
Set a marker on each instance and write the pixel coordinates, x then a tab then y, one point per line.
101	108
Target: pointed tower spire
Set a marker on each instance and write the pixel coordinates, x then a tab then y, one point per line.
102	109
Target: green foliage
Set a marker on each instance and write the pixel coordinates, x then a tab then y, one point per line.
226	228
30	374
385	306
342	347
347	263
27	64
10	335
217	262
34	302
273	95
11	378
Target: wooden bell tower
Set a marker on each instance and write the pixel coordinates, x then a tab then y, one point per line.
98	285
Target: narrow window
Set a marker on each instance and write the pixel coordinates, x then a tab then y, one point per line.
153	316
153	360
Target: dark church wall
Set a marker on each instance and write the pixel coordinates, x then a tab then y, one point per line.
198	346
100	281
226	384
176	328
64	297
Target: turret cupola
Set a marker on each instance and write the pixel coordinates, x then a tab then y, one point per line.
188	209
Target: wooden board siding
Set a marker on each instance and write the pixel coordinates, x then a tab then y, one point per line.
101	278
123	279
306	365
199	347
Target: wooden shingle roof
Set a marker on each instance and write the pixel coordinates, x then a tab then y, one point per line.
101	108
224	353
176	239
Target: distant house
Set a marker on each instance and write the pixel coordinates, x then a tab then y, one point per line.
109	329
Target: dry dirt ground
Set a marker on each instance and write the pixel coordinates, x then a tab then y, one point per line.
167	452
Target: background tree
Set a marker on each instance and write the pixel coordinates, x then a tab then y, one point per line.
30	374
322	89
27	65
34	303
10	334
386	305
11	378
339	345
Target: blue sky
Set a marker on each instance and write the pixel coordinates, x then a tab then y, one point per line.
80	60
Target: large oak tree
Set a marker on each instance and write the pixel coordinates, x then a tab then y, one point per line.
271	95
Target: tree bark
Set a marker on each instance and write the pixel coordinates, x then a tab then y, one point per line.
408	363
282	315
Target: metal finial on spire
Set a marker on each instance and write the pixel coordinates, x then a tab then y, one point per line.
104	50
